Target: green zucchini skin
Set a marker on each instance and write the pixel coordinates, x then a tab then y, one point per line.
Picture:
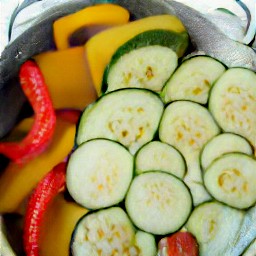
247	234
99	173
137	240
232	102
215	226
187	126
146	242
111	118
156	155
221	144
148	67
193	79
140	210
250	250
91	213
230	179
178	42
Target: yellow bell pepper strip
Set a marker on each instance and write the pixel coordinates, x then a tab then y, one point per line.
56	232
67	76
102	14
17	182
101	47
45	191
34	87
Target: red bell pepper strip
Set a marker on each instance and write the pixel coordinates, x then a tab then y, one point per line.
45	191
70	115
34	87
178	244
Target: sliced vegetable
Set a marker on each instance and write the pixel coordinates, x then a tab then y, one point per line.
222	144
45	191
250	251
188	126
160	156
179	244
146	243
145	61
195	183
147	67
231	179
34	87
109	232
17	182
233	102
99	173
158	202
246	235
67	76
129	116
99	54
215	227
57	226
103	14
193	80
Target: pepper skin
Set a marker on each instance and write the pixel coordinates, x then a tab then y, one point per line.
45	191
34	87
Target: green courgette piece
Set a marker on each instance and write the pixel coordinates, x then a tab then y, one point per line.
231	179
215	227
110	232
250	251
99	173
158	202
246	236
232	102
146	243
193	80
129	116
188	126
157	155
222	144
145	61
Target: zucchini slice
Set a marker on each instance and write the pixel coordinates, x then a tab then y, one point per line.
158	202
231	179
215	227
99	173
250	251
193	80
194	181
160	156
188	126
129	116
233	102
246	235
110	232
221	144
146	243
147	67
145	61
